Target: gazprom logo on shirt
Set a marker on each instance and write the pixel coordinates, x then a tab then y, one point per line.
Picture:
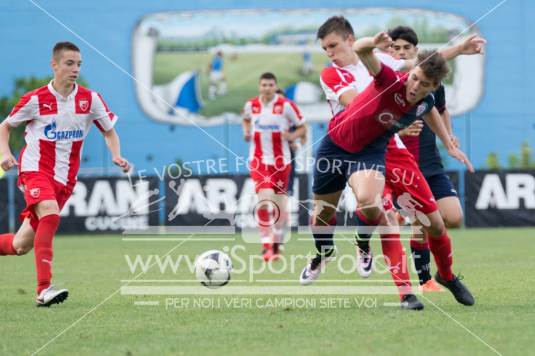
52	134
274	127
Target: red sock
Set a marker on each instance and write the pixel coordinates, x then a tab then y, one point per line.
369	222
441	249
419	245
393	252
264	220
280	228
332	220
6	245
43	250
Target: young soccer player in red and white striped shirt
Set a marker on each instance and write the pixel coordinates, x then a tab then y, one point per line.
58	117
267	119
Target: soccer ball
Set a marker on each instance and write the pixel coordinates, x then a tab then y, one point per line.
212	269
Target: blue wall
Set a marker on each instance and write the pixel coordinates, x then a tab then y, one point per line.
500	122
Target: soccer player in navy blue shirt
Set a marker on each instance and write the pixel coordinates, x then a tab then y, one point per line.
216	76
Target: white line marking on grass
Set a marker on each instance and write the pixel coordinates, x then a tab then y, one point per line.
462	326
147	303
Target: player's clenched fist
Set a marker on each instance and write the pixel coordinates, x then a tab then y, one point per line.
382	40
123	163
8	161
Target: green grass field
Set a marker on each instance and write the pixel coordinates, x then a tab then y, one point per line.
497	265
242	74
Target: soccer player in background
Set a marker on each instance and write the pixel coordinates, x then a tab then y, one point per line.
58	117
395	101
267	119
216	76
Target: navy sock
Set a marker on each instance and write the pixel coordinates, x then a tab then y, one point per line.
422	261
323	238
363	236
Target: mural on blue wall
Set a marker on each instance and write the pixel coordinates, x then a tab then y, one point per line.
200	67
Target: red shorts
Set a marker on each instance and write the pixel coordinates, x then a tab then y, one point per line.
387	198
271	177
407	183
37	188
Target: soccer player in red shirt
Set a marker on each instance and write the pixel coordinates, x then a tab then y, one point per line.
58	117
267	120
400	104
421	142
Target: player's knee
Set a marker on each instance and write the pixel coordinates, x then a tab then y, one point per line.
48	207
324	217
22	249
453	221
436	229
370	211
365	199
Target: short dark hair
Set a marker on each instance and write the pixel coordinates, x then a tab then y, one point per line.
338	24
433	65
63	46
268	76
405	33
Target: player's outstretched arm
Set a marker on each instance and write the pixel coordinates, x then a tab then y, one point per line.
114	145
304	137
436	124
246	127
447	121
472	45
8	161
364	48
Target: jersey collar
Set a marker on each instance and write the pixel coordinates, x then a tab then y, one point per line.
270	103
348	67
58	95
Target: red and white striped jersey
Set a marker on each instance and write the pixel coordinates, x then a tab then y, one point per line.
269	121
337	80
56	127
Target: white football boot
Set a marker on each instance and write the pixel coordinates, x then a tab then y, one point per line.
50	296
313	269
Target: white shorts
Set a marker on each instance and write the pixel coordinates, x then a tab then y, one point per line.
216	76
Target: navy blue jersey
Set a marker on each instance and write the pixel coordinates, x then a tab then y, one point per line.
424	146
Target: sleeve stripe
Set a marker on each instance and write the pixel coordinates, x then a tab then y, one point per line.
23	101
330	77
342	91
295	109
341	76
99	126
103	103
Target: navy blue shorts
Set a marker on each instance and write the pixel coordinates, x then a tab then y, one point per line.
441	186
333	166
